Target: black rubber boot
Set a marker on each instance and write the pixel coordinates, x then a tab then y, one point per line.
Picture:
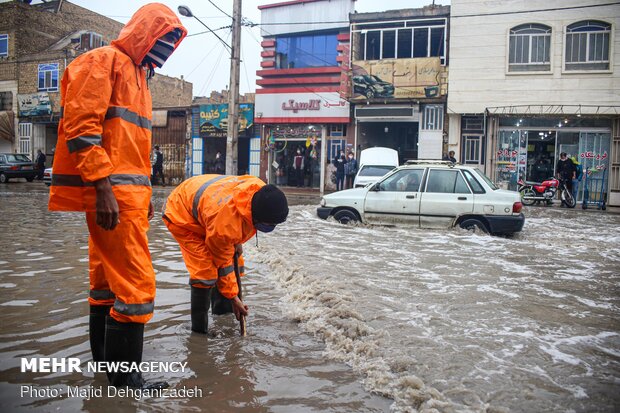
200	299
220	304
123	342
96	329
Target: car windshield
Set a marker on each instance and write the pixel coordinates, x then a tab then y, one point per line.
17	158
375	170
486	179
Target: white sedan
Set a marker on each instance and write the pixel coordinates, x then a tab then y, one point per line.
430	194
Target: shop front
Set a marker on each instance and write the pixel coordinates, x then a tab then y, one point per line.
312	126
529	148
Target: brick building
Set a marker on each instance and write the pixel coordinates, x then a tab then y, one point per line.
37	43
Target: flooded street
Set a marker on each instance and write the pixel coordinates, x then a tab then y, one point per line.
343	318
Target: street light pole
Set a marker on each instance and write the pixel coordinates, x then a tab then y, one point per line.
232	138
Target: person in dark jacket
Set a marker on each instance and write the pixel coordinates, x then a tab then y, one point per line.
40	161
339	163
350	170
566	171
158	166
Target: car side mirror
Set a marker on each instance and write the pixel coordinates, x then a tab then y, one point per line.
376	187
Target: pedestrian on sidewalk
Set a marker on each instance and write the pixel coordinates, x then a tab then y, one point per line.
211	217
158	166
350	170
40	161
339	164
102	166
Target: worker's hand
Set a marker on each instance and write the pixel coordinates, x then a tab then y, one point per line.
107	207
151	211
239	249
239	308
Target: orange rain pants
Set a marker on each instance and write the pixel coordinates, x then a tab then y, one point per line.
120	267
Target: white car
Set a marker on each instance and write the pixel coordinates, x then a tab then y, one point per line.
374	163
47	176
430	194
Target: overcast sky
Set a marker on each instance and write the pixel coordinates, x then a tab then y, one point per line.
201	59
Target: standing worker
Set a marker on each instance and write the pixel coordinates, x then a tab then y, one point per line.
102	167
158	166
211	216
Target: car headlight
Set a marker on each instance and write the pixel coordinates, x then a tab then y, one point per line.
323	202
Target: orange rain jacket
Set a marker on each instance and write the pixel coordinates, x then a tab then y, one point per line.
106	111
217	209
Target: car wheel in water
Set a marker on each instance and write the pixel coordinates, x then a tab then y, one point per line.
30	179
475	226
345	216
530	194
3	179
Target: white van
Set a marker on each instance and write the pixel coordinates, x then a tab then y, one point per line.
373	164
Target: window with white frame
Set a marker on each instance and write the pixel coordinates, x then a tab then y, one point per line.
4	45
48	77
25	134
529	48
401	39
473	150
432	117
90	40
587	45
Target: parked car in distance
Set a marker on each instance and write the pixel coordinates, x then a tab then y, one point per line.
47	176
16	165
373	164
430	194
372	86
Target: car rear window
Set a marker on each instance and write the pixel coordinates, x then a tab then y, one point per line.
486	179
17	158
373	170
473	182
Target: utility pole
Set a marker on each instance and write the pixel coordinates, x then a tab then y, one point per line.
232	138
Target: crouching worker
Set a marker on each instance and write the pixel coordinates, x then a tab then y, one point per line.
102	167
211	216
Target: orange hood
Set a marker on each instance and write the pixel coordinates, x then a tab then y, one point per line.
147	25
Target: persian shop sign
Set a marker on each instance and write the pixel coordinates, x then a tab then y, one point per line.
214	119
396	78
289	107
36	104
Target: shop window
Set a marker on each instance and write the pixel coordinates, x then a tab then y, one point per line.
4	45
587	45
306	51
432	117
338	130
48	77
405	43
529	48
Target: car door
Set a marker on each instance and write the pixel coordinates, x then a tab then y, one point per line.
446	196
395	199
3	165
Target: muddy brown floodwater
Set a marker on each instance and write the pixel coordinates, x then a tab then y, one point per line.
343	318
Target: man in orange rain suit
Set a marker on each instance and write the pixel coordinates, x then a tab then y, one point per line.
102	166
210	216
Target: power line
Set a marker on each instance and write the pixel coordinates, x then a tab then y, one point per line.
536	11
215	5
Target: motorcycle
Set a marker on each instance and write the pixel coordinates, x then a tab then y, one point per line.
533	192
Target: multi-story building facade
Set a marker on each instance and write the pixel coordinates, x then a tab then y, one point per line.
301	103
37	42
399	68
529	81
